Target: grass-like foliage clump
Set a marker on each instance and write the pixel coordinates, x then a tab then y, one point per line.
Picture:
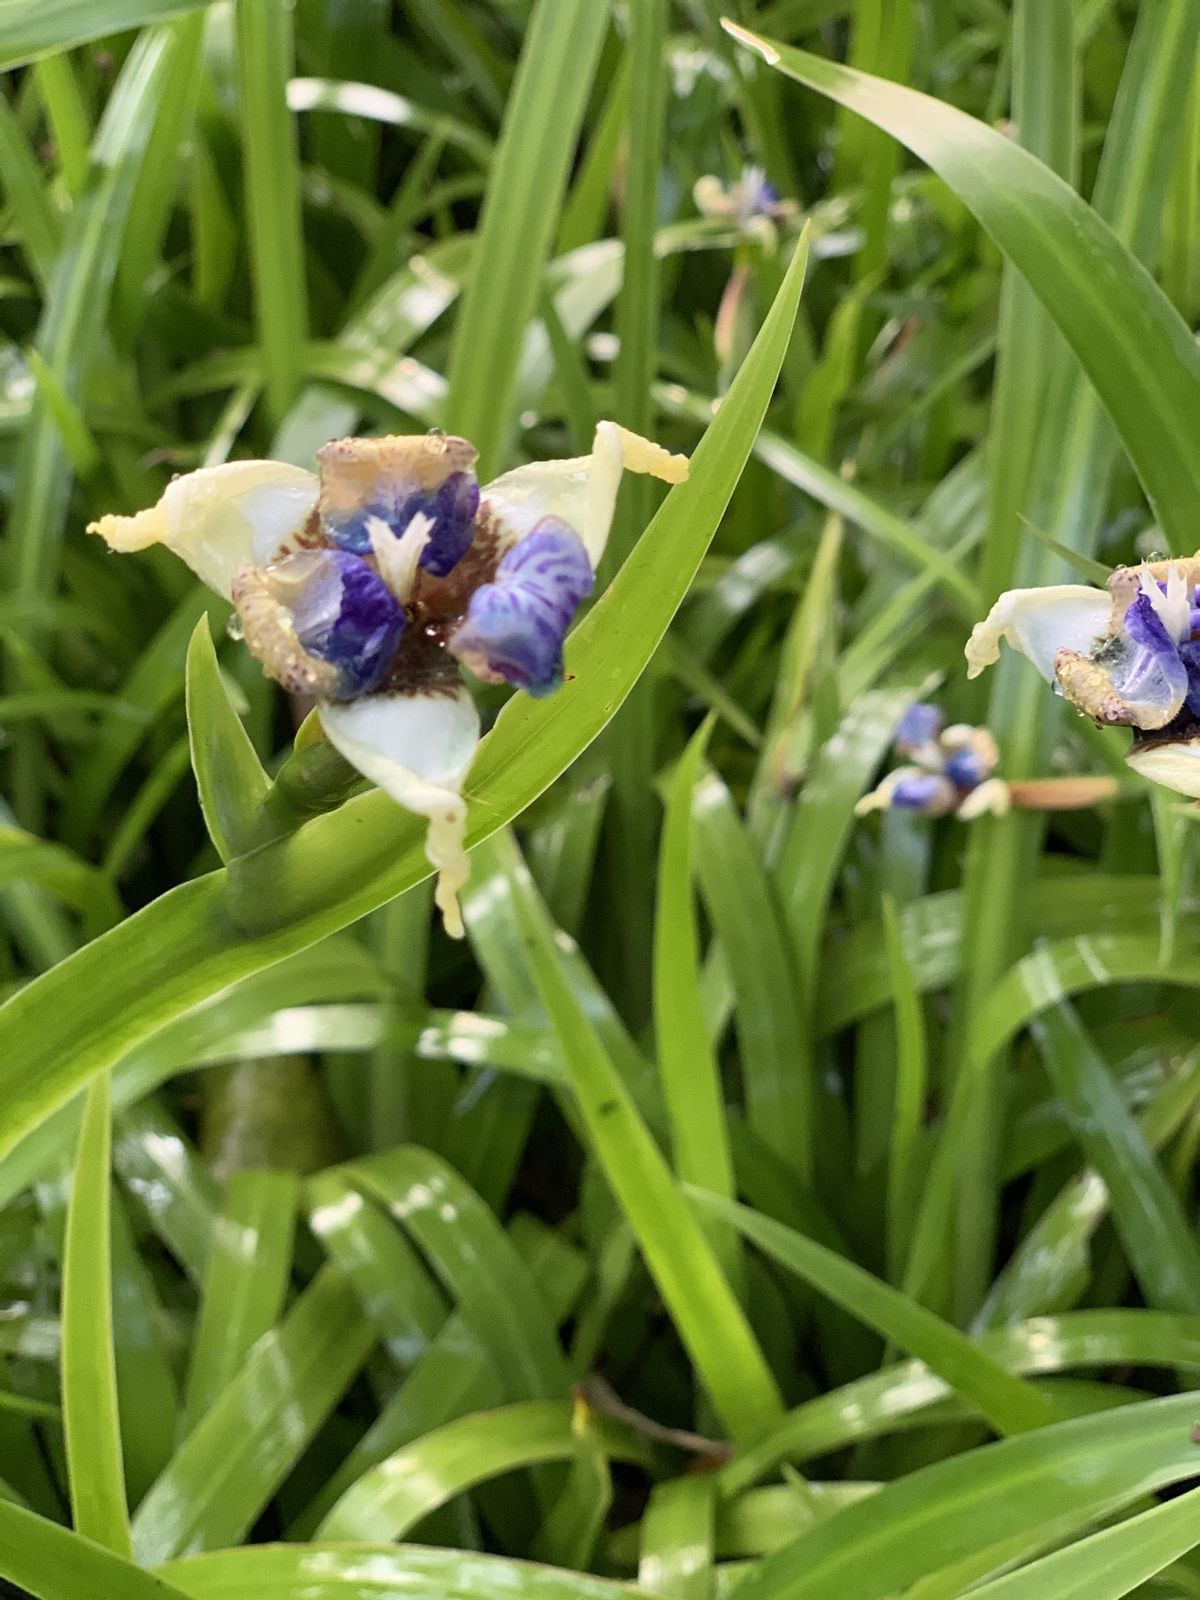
786	1186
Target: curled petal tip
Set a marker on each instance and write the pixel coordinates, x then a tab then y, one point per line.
982	649
444	846
126	534
644	456
990	798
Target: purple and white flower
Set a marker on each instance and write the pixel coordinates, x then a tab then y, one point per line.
750	202
1126	656
949	769
366	584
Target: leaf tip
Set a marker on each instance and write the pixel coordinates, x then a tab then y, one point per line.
751	41
200	644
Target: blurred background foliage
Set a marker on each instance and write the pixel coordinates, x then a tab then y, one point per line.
380	1265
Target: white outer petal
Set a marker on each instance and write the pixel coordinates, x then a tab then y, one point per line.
418	749
218	519
1039	623
582	492
1174	766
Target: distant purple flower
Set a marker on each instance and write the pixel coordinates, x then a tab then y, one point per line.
922	791
751	200
952	770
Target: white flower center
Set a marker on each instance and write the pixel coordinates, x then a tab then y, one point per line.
399	559
1174	608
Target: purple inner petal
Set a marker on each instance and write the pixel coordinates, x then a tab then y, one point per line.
919	725
919	791
346	615
1153	673
1143	623
966	768
515	626
1189	654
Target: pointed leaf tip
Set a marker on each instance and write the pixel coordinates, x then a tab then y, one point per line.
751	41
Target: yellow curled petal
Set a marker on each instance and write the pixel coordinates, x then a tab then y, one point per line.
128	534
581	491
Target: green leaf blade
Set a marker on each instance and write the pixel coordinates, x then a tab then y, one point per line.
1135	347
93	1432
